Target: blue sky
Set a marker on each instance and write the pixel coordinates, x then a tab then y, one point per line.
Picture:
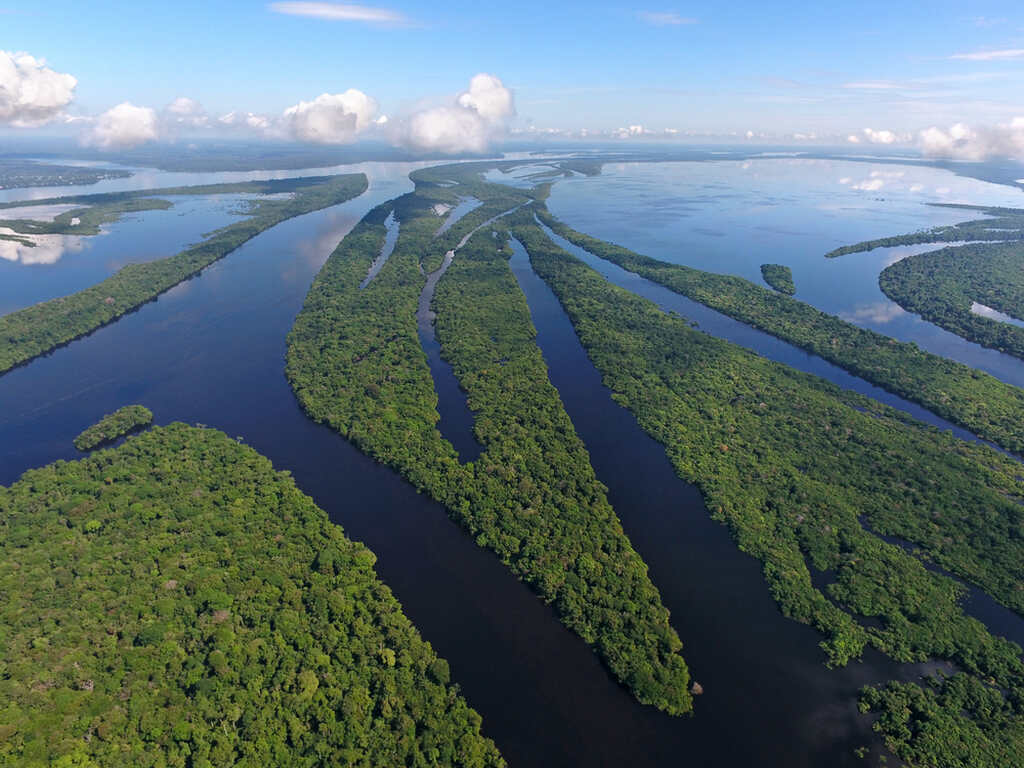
781	68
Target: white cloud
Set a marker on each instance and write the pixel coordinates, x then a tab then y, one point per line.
488	97
1011	53
880	137
853	138
341	12
30	92
331	118
664	19
185	112
123	126
245	120
962	142
478	116
869	185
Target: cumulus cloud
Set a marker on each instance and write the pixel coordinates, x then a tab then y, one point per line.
123	126
185	113
331	118
341	12
962	142
871	136
30	92
664	19
869	185
249	120
478	116
1011	53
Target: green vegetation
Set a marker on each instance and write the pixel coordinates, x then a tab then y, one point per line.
988	407
941	286
177	602
114	425
355	363
779	277
259	187
1003	224
84	221
796	467
38	329
16	173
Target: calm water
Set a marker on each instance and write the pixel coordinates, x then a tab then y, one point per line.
212	351
732	216
63	264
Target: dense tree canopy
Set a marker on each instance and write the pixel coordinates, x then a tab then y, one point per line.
804	474
175	601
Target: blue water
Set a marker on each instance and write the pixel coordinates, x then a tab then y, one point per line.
732	216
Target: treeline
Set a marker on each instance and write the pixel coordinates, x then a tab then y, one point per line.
355	363
114	425
988	407
779	277
38	329
941	286
1003	224
84	221
177	602
792	465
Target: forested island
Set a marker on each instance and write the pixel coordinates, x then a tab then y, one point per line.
943	285
17	172
114	425
805	475
355	363
988	407
175	601
779	277
38	329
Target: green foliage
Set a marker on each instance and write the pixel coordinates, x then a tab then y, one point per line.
1003	224
89	220
779	277
796	467
38	329
232	625
17	173
114	425
941	286
988	407
355	363
956	722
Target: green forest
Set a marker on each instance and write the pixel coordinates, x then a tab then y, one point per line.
779	277
355	363
988	407
803	474
175	601
942	286
114	425
38	329
1002	224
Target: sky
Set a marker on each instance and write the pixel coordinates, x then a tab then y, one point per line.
853	73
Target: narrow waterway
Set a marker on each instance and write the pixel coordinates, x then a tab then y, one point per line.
457	420
768	698
391	227
715	323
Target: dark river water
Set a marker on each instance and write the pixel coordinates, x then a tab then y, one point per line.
211	351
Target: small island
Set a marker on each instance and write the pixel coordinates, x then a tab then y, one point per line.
779	277
114	425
